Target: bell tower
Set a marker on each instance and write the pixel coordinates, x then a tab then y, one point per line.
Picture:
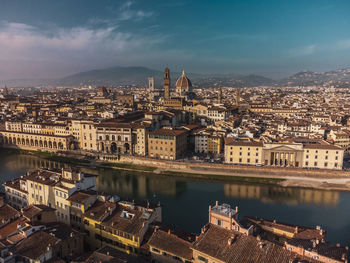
166	83
219	95
238	96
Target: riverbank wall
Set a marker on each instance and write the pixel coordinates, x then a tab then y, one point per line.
232	169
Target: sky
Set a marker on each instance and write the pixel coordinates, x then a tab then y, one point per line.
274	38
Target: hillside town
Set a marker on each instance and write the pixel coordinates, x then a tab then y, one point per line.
52	215
300	127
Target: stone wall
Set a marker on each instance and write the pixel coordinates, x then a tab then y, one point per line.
234	169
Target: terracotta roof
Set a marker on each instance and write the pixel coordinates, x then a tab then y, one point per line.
332	251
234	247
128	225
35	245
183	81
81	196
11	227
173	241
322	146
168	132
108	254
7	213
233	142
33	210
98	210
300	232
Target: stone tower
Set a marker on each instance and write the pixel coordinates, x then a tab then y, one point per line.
6	92
238	98
151	83
151	88
166	83
219	95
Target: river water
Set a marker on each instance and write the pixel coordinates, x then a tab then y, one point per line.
186	201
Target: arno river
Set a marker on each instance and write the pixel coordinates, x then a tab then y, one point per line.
186	201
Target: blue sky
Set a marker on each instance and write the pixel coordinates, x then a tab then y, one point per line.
275	38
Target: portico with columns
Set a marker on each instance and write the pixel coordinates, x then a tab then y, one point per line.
283	154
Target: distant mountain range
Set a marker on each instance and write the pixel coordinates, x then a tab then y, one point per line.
117	76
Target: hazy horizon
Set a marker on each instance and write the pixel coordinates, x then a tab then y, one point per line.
53	39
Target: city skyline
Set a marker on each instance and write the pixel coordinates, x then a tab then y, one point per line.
47	39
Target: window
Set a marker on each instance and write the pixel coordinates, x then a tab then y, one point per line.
336	157
256	160
240	160
155	250
325	164
218	222
230	159
248	160
203	259
307	156
257	154
315	164
306	163
240	153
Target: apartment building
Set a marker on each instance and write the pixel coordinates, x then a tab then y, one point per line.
243	152
323	156
50	188
122	225
168	144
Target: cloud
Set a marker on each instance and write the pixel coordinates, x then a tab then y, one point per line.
303	51
343	44
72	49
126	13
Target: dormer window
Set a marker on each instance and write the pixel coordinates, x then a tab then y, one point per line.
127	215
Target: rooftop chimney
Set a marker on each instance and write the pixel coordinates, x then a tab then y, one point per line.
296	230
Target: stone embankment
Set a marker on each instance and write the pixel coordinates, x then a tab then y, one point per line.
234	169
290	177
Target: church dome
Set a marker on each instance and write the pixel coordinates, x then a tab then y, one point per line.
183	82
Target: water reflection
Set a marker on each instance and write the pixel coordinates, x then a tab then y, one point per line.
138	185
292	196
23	161
182	196
141	185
